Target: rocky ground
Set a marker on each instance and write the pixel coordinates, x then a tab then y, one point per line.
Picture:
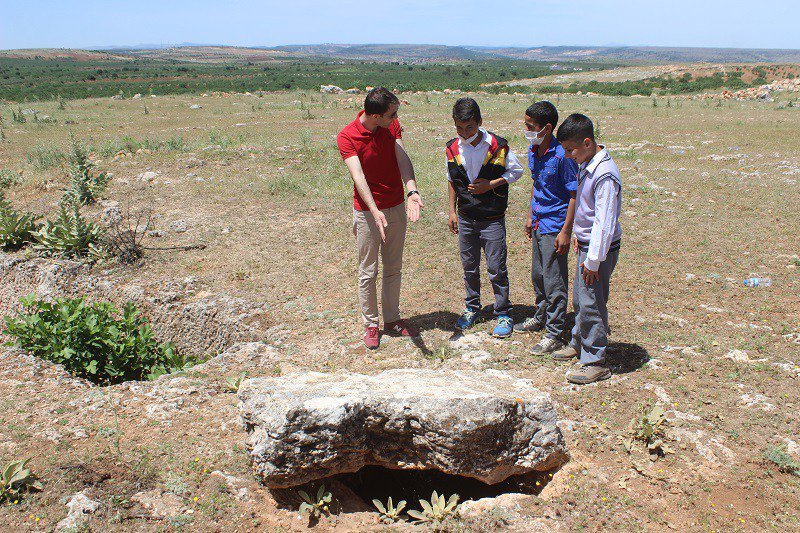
708	202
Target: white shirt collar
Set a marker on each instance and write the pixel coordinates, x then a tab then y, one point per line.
484	139
599	156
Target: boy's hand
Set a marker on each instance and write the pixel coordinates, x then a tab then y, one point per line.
562	243
413	207
479	186
452	223
529	228
575	244
589	276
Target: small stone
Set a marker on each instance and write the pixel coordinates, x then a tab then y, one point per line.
80	506
178	226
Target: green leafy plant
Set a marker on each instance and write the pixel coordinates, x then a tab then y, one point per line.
16	229
8	179
436	510
85	186
70	234
779	456
389	513
315	507
648	428
46	157
16	479
232	384
18	118
93	340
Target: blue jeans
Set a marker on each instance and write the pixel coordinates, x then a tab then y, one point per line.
488	236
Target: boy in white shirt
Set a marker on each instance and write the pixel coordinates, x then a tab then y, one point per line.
596	235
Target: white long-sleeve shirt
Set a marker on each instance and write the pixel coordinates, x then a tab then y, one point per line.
475	155
606	198
598	207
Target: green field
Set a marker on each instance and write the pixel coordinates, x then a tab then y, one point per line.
45	79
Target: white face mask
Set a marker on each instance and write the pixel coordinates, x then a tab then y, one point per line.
471	139
533	137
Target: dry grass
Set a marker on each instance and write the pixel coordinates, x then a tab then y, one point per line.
710	197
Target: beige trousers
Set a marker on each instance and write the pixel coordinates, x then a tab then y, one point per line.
368	240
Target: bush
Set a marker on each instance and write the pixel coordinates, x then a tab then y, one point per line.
91	342
85	186
16	229
69	235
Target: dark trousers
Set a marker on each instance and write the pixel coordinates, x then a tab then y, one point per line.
488	236
590	334
549	273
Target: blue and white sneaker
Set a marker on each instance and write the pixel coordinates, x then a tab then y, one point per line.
466	320
504	327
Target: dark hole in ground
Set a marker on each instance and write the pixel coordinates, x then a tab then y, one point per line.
374	482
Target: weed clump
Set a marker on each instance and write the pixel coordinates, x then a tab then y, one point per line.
70	234
85	186
16	479
779	456
16	229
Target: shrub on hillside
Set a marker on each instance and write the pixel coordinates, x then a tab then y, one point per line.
93	340
84	185
70	234
16	229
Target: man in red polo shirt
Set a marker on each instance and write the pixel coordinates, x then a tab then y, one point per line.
372	149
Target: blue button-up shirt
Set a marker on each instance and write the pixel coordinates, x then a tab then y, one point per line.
554	178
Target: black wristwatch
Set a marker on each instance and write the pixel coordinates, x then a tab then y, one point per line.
410	193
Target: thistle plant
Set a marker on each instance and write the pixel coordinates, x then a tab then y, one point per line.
315	507
389	513
437	509
16	479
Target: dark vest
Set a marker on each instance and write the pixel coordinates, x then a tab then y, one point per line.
489	205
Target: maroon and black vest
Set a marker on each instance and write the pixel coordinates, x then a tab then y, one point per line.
489	205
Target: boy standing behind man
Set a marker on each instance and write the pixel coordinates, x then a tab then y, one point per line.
549	225
596	238
480	167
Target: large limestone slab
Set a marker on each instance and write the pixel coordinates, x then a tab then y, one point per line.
487	425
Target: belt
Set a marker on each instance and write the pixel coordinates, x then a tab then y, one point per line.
583	246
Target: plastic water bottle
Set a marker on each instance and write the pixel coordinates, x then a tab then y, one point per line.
757	282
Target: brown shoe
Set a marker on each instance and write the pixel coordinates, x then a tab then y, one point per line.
567	353
588	374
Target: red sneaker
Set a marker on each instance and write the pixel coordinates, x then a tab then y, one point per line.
400	329
372	337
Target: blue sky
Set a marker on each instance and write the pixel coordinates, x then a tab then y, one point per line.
709	23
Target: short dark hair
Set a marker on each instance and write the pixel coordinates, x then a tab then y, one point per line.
543	113
379	100
575	128
466	109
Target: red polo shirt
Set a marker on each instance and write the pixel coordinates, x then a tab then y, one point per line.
375	151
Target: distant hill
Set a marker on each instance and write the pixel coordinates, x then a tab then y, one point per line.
651	54
423	53
386	52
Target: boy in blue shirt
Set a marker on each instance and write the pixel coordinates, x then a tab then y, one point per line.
549	226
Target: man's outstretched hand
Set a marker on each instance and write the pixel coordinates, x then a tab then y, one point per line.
414	207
